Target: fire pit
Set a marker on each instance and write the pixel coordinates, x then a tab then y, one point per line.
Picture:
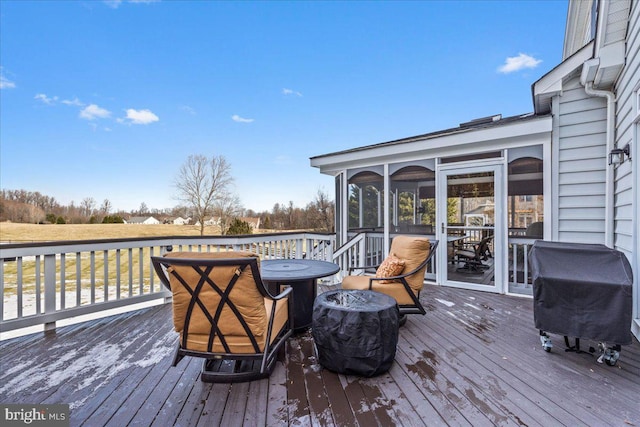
355	332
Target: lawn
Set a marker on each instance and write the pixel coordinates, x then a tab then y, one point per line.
25	233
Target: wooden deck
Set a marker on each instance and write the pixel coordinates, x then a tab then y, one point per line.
474	359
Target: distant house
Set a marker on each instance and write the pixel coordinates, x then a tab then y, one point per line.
211	221
253	222
569	168
147	220
181	221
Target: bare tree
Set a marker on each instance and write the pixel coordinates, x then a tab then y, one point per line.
227	207
106	207
320	212
203	182
87	206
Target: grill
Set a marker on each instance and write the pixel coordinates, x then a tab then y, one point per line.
582	291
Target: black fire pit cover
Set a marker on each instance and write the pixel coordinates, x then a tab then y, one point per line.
355	332
582	291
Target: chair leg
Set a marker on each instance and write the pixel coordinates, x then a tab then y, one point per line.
402	320
234	370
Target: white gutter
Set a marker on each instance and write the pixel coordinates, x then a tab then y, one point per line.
609	188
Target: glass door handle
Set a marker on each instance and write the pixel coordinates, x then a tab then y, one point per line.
442	228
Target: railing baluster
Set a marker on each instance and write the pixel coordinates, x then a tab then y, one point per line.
105	257
78	280
130	254
38	286
118	271
63	281
49	289
525	279
19	288
141	271
93	276
151	290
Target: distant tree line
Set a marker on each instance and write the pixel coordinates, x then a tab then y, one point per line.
33	207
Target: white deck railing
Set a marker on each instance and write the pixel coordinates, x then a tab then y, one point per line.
519	270
46	282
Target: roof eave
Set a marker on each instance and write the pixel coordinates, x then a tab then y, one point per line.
551	83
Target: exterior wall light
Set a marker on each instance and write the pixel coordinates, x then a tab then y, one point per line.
616	156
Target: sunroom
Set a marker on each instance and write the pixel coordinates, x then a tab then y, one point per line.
483	187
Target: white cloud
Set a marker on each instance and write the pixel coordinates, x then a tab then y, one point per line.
5	83
44	98
75	102
517	63
188	109
92	112
237	118
286	91
141	117
114	4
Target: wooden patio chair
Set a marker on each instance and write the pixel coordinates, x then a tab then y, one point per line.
473	256
400	275
224	313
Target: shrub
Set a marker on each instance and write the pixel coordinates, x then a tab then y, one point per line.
239	227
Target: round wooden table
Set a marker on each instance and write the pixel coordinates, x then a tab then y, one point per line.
301	275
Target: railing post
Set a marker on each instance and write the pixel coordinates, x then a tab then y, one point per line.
299	249
362	249
49	289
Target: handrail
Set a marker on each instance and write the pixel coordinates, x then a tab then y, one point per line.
45	282
113	273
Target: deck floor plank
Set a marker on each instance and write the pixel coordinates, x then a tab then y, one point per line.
236	405
542	369
479	385
497	373
277	413
337	399
319	409
256	413
361	407
474	359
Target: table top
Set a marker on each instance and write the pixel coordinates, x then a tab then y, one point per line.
356	300
296	269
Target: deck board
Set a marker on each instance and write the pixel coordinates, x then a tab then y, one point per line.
474	359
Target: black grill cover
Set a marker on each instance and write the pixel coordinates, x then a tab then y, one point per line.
582	291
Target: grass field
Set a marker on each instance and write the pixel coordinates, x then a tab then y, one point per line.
23	233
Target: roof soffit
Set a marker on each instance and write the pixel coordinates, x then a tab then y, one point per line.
578	30
610	41
534	130
551	83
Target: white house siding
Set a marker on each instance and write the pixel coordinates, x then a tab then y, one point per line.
625	87
626	219
581	164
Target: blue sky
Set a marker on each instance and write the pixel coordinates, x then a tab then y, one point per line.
107	99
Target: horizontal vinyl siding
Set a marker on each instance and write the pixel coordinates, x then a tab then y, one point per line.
594	189
584	177
582	155
624	210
